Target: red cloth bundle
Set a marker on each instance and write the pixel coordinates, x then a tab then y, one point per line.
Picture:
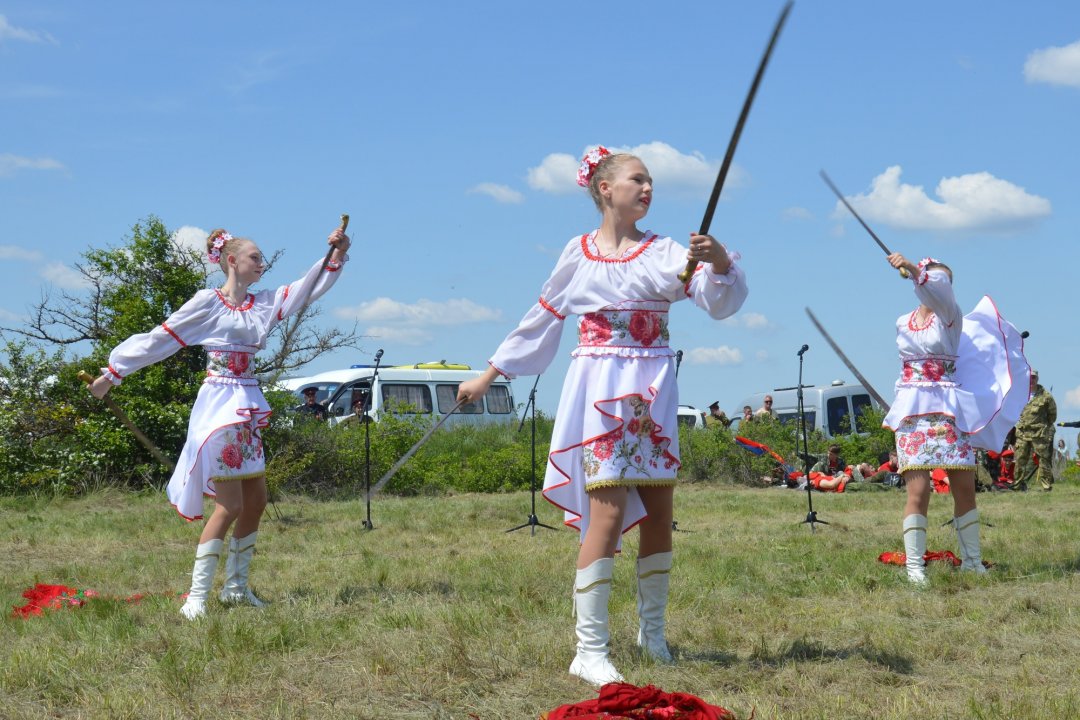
623	700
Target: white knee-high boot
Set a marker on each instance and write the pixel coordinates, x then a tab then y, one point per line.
967	535
653	572
915	548
207	555
592	587
236	590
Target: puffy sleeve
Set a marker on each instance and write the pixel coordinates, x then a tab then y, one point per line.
719	295
531	347
934	290
287	299
184	327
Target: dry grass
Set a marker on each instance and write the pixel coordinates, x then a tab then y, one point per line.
438	613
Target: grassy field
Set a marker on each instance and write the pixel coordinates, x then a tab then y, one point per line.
437	613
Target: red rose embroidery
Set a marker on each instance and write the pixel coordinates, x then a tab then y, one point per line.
933	370
931	433
644	327
633	426
232	457
238	363
950	434
915	441
603	447
595	329
908	373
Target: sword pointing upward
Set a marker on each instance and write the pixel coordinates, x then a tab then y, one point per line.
836	191
850	366
691	265
412	451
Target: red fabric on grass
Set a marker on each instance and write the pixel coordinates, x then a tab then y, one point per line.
623	700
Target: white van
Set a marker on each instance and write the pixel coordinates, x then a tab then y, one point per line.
829	408
422	389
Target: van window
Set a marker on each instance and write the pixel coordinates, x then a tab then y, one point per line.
447	397
793	417
836	409
861	403
498	400
406	398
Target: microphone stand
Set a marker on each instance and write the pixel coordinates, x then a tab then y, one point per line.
811	516
678	362
533	522
366	419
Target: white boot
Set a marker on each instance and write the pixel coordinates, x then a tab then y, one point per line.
236	590
915	548
591	590
967	535
207	555
653	572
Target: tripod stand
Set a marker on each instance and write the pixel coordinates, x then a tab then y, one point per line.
811	516
366	419
533	522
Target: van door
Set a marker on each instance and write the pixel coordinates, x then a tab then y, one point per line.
838	415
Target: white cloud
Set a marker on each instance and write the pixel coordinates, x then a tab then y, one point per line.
722	355
557	173
400	335
14	252
63	276
10	32
748	320
422	313
11	164
10	317
1054	65
761	355
968	202
501	193
1072	397
191	237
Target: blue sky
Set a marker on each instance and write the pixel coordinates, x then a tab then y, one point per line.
450	131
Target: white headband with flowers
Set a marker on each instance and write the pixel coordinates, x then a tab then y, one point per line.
928	261
214	253
589	163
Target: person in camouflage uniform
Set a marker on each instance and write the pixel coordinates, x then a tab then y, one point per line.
1035	437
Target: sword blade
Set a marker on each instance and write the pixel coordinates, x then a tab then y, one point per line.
412	451
126	422
721	177
850	365
840	195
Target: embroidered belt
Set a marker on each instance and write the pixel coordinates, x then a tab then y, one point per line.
930	369
230	365
624	328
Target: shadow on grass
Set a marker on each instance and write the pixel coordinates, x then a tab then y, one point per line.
803	650
716	657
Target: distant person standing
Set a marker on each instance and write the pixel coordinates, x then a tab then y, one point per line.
1035	438
747	414
766	412
717	418
311	407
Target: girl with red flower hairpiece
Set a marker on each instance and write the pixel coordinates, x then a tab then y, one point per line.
962	386
620	282
223	455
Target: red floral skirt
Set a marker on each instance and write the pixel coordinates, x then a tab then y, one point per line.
926	442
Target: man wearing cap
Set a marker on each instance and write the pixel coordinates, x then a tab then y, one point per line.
1035	438
316	410
717	417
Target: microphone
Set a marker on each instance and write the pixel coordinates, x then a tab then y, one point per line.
803	349
378	355
1025	335
678	357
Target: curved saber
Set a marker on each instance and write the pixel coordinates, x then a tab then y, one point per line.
691	265
850	366
836	191
126	421
412	451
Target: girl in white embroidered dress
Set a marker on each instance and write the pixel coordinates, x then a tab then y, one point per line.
614	450
223	455
932	417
